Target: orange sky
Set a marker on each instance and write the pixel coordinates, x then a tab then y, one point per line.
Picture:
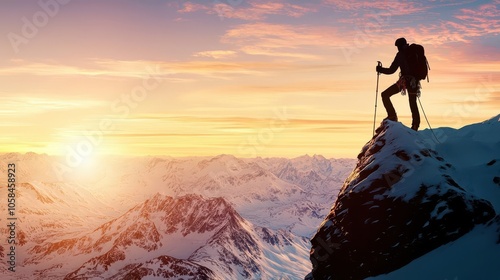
248	78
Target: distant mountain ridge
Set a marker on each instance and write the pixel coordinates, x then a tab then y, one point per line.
78	228
273	192
190	237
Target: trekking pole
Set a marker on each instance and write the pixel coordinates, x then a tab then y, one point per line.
427	120
376	95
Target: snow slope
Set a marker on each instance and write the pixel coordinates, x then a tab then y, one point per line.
415	207
475	153
473	256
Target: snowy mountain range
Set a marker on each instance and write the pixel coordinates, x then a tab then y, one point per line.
188	237
413	205
191	218
272	192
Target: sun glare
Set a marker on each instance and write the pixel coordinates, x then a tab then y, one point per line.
81	162
90	169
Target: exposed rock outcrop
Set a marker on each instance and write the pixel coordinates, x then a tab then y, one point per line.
400	202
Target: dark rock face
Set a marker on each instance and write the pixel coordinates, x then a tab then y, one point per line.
399	203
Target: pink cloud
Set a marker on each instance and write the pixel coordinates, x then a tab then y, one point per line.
485	19
218	54
189	7
281	39
392	7
464	27
251	10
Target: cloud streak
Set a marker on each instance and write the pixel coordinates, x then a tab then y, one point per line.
249	122
392	7
18	106
141	69
282	40
249	11
219	54
485	19
104	67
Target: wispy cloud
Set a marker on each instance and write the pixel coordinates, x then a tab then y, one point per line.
464	26
250	10
219	54
171	70
392	7
142	68
150	135
189	7
245	122
95	67
24	106
222	69
235	120
427	23
47	69
485	19
281	39
259	10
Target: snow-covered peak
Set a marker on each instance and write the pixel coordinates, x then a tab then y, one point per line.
188	237
410	193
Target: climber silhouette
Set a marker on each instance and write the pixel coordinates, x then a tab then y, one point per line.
405	83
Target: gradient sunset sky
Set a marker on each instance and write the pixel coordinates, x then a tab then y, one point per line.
242	77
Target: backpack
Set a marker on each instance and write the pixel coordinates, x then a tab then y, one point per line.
417	62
